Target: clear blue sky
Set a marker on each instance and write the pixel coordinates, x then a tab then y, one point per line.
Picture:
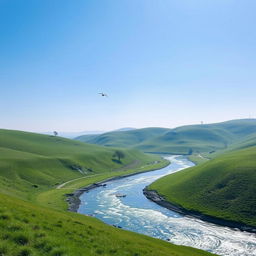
162	63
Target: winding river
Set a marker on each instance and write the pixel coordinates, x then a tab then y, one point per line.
136	213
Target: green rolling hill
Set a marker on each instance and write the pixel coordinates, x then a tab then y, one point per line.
223	187
33	216
123	138
31	162
190	139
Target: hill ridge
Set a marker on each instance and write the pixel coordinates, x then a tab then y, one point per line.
198	138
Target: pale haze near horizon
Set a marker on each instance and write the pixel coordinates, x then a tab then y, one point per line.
162	63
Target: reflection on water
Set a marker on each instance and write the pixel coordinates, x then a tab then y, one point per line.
136	213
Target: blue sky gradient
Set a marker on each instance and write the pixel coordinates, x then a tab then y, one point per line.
162	63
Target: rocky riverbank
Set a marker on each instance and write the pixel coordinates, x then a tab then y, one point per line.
155	197
73	198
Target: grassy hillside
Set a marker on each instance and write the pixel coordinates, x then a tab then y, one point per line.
30	162
195	139
223	187
192	139
31	167
244	142
123	138
186	140
26	229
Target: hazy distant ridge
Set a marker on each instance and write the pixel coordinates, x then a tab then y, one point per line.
182	140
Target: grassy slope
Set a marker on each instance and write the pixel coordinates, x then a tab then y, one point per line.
29	228
55	198
201	138
223	187
182	140
26	229
123	138
31	162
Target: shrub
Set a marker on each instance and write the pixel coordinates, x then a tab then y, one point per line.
3	250
21	239
24	252
4	217
57	252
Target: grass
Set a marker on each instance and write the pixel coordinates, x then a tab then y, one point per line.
31	163
223	187
123	138
55	198
192	139
33	216
198	158
27	229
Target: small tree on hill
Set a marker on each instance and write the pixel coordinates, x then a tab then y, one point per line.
119	154
55	133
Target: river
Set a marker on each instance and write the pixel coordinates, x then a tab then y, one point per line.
136	213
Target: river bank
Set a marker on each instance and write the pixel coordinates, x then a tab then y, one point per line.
155	197
73	199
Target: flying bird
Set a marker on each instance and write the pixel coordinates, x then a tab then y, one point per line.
103	94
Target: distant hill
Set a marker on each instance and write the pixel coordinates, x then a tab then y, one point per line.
223	187
85	137
72	135
128	138
182	140
125	129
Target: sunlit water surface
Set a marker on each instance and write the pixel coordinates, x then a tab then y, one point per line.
136	213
